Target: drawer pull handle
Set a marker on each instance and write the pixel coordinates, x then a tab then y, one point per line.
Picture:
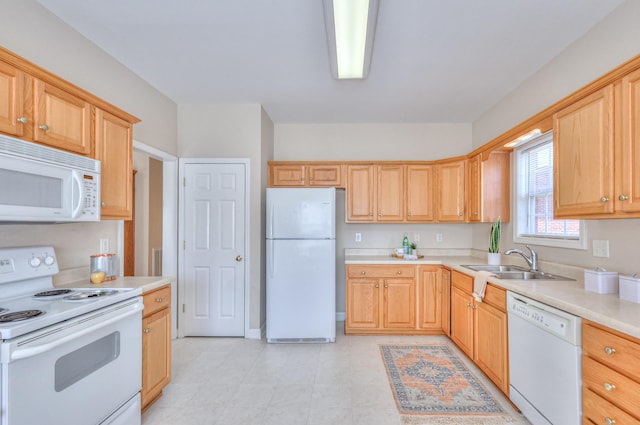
399	272
609	350
147	330
159	300
609	387
609	421
362	273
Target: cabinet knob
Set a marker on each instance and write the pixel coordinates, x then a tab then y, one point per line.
474	307
147	330
159	299
377	286
623	197
609	387
609	350
22	120
362	273
475	213
371	215
379	214
103	204
43	127
609	421
468	304
386	286
399	271
459	214
604	199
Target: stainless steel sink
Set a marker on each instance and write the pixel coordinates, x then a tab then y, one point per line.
514	272
494	269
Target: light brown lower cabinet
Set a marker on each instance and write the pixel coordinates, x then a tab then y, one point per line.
156	344
479	329
610	376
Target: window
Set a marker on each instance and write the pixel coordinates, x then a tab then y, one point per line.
534	199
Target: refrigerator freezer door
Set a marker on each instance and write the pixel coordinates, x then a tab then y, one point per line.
304	213
301	291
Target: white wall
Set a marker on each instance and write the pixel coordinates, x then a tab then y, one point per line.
612	42
30	31
361	142
141	249
235	131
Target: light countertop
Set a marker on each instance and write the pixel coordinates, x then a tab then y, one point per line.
79	278
570	296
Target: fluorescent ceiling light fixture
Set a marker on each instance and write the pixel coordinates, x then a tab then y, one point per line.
524	138
351	25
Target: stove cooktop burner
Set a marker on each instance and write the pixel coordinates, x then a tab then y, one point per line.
16	316
52	293
88	295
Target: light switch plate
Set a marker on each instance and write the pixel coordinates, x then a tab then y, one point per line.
601	248
358	237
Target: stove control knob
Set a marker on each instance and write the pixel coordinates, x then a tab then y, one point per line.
35	261
49	260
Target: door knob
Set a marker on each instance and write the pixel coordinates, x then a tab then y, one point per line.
239	258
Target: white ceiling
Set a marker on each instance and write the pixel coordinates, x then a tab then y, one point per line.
433	60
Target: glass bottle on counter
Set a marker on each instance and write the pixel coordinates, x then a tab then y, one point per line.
405	244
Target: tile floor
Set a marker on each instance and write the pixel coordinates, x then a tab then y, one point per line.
229	381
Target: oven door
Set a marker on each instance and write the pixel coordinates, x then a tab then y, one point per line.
77	372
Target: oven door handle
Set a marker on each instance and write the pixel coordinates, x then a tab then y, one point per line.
31	351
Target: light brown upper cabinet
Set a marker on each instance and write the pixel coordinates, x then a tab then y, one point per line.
390	193
12	118
113	147
451	196
360	196
301	175
421	183
627	158
488	187
61	120
583	156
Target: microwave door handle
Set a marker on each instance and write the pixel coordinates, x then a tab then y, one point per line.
75	213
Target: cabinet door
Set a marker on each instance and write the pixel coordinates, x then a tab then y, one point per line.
421	185
11	100
324	175
474	189
390	199
628	160
451	181
462	320
583	156
287	175
399	306
113	147
156	354
446	301
490	345
360	193
430	298
62	120
363	304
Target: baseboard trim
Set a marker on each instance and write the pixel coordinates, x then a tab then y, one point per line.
257	333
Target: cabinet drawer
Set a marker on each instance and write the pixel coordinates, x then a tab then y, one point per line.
462	281
621	391
156	300
354	271
615	351
597	410
495	296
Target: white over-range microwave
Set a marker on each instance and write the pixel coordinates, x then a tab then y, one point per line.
41	184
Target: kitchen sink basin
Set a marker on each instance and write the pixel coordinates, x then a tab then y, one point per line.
494	269
514	272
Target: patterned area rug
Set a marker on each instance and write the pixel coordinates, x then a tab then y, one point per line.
431	385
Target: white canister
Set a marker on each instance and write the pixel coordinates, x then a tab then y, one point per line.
601	281
630	288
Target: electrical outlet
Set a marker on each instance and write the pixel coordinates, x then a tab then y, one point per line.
601	248
358	237
104	246
416	237
439	237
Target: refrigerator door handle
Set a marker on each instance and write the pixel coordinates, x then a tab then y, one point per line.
271	260
270	215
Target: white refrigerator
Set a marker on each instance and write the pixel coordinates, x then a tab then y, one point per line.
301	265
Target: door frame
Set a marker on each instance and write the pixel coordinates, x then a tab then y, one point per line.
169	222
247	251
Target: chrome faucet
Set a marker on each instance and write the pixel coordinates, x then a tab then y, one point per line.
532	261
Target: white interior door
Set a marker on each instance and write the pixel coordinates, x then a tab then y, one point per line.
214	249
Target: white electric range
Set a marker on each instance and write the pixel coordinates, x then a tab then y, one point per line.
81	346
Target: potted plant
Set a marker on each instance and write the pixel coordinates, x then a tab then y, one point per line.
494	243
412	248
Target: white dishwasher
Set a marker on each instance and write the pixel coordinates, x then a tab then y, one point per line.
544	362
